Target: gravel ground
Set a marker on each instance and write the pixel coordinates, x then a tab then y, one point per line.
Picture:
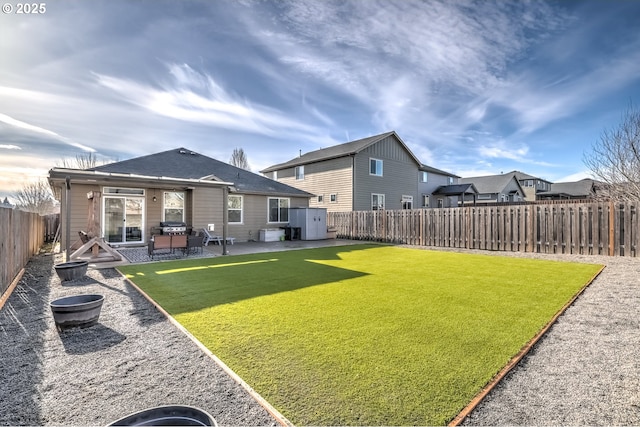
133	359
584	371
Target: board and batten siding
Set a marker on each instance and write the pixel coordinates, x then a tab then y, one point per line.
399	175
324	178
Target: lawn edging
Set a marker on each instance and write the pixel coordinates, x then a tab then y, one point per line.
281	419
458	419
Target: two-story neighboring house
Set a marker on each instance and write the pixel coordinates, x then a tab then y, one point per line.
378	172
431	187
501	188
531	185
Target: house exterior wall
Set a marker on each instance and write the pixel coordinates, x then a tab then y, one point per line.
399	175
325	178
255	216
434	180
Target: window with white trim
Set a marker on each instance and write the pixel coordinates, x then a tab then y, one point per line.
375	167
234	209
424	176
425	200
407	202
377	201
173	206
333	198
299	173
278	209
320	198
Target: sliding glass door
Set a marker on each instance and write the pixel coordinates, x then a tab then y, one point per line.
123	216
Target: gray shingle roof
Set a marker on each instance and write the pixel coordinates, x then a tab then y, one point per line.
582	188
187	164
455	189
490	184
336	151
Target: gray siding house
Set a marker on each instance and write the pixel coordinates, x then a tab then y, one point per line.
502	188
378	172
124	202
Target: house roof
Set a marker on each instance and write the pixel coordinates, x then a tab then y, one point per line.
336	151
455	189
182	163
522	176
582	188
438	171
491	184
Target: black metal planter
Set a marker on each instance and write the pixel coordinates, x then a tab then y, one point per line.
77	311
71	270
172	415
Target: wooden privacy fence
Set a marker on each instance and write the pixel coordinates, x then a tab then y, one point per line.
21	236
590	228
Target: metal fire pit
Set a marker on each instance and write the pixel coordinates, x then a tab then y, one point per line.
173	415
77	311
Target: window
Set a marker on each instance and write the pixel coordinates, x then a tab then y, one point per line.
424	176
278	210
333	198
375	167
173	209
484	196
320	198
234	209
425	200
299	173
275	175
528	183
407	202
377	201
450	180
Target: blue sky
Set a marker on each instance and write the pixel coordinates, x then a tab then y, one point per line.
472	87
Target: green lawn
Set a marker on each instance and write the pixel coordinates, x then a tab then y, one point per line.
366	334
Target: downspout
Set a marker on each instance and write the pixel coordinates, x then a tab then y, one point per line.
353	182
225	218
67	241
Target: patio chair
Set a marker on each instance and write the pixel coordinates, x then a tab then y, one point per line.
195	242
208	237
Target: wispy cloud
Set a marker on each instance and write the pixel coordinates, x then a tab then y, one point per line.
39	130
196	97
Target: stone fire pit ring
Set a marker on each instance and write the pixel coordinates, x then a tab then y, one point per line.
77	311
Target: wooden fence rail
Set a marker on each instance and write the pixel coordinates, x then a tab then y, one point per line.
21	236
590	228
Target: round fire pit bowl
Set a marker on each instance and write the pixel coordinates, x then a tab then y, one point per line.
71	270
171	415
77	311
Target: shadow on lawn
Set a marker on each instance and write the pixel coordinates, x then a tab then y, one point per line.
194	285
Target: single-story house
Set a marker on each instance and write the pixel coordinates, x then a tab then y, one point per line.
503	188
584	189
125	202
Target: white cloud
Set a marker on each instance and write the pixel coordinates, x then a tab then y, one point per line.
197	97
36	129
